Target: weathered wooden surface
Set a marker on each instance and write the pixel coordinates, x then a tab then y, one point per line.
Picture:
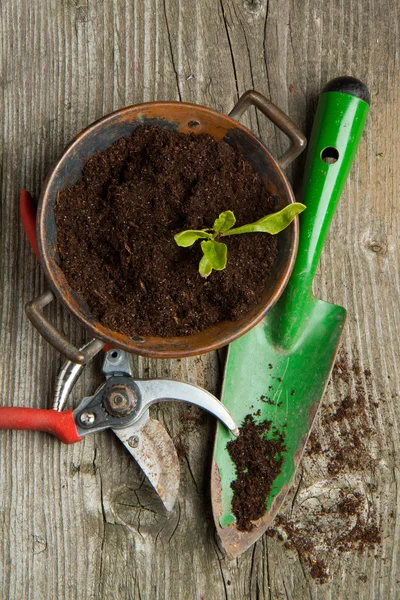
72	524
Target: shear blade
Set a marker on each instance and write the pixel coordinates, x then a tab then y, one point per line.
154	451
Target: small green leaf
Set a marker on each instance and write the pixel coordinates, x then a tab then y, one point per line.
225	221
273	223
215	253
190	236
205	266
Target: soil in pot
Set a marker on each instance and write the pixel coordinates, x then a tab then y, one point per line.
116	226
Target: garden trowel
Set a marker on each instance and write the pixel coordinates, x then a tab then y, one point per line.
280	369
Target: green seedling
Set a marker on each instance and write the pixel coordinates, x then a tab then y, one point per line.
215	252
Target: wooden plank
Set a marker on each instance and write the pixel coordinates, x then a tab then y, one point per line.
73	519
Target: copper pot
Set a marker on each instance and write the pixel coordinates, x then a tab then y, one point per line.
186	118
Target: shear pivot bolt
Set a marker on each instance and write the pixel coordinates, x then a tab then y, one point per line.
87	418
120	401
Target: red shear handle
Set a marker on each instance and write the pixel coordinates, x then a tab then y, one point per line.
59	424
28	209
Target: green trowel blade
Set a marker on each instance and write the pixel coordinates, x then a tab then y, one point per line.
286	388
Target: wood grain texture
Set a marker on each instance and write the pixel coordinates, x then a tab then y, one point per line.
78	522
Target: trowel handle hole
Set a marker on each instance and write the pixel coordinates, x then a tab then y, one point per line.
330	155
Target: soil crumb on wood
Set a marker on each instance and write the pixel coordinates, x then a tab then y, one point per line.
334	510
257	454
116	226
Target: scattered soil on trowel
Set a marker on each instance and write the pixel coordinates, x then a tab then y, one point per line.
332	511
257	454
116	227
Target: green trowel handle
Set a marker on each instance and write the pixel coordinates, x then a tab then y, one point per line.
338	125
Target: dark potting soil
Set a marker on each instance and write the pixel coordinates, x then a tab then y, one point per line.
116	226
258	461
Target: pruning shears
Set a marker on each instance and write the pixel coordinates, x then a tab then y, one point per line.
121	404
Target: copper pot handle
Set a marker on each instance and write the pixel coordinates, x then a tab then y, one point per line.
279	118
34	312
